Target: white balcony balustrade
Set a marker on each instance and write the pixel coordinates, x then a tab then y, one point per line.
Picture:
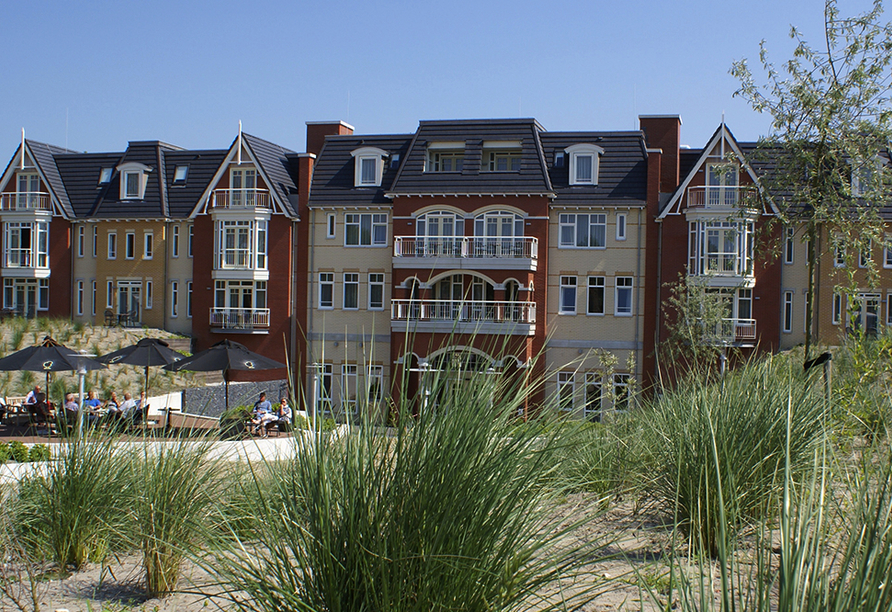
240	318
731	331
463	311
708	196
466	247
25	201
240	198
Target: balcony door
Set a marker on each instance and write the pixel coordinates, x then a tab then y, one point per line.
864	313
438	234
721	184
129	293
494	233
243	182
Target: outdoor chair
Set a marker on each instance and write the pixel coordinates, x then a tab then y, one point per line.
110	319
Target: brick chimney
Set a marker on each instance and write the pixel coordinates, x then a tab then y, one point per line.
318	130
664	132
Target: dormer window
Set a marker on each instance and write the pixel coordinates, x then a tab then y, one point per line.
584	161
501	156
134	177
369	166
445	157
179	175
105	175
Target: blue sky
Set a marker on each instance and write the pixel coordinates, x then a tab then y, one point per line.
95	75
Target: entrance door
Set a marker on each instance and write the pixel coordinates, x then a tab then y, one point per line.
129	311
865	313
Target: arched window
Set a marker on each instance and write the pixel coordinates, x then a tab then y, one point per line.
495	232
438	234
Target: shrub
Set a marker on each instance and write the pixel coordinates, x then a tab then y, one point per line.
19	451
39	452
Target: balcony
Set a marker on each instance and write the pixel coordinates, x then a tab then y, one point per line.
711	197
732	331
461	316
520	253
240	320
240	198
25	201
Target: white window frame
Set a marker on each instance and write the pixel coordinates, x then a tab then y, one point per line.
596	283
376	283
570	226
349	386
593	381
322	387
150	294
889	309
621	226
112	240
93	297
174	299
787	313
587	151
129	245
175	241
95	241
79	297
188	299
887	252
81	239
326	280
190	240
137	190
622	285
789	245
330	225
568	287
622	395
839	252
148	244
371	155
105	175
353	229
351	286
110	294
862	260
566	381
180	174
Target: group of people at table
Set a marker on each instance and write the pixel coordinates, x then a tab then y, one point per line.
263	416
112	409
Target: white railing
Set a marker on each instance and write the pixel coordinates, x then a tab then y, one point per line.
25	200
239	318
707	196
469	247
461	310
240	198
733	330
26	258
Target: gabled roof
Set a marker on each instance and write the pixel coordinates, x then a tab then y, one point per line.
202	164
44	158
721	134
532	178
622	169
333	172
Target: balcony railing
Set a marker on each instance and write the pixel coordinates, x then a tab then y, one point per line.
463	311
240	198
25	200
704	196
240	318
26	258
732	330
468	247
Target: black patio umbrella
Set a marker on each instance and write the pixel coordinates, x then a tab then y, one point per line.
48	356
147	352
225	356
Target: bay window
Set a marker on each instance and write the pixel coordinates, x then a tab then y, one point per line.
241	245
27	244
720	248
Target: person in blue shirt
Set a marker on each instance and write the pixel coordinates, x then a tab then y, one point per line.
263	412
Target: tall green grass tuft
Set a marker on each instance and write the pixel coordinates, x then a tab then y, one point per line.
716	452
175	485
447	510
74	512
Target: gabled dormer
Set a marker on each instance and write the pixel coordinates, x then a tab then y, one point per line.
584	163
369	166
134	178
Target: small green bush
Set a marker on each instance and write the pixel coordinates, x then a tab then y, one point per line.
39	452
19	451
5	452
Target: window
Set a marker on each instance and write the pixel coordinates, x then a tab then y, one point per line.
721	248
129	245
351	291
789	245
243	187
369	166
621	391
81	238
593	396
93	298
95	240
889	309
241	245
505	160
27	244
330	225
110	294
26	296
149	294
189	242
864	312
375	384
80	297
721	184
174	298
175	241
105	175
565	391
131	185
189	299
438	233
621	226
112	245
839	252
446	160
558	159
376	291
623	296
348	387
595	295
744	304
148	245
864	255
326	290
240	304
568	295
365	229
788	312
322	386
584	160
179	175
583	230
887	252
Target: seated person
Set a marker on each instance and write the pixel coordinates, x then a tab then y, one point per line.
92	403
71	406
31	398
41	409
113	409
263	414
129	407
284	413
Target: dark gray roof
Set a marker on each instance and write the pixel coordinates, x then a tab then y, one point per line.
44	156
531	178
182	197
622	171
152	205
277	166
333	176
80	173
